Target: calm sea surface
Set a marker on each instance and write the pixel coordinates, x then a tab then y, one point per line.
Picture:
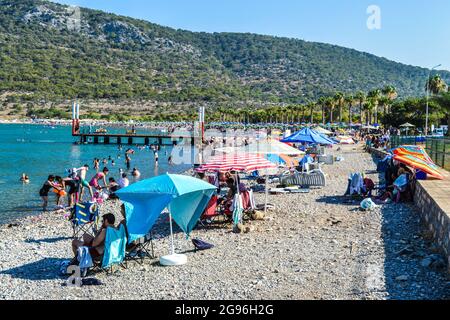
39	150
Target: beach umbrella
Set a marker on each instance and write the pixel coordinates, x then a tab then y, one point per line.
264	146
344	140
417	163
417	158
407	126
242	162
185	197
322	130
308	135
415	151
245	162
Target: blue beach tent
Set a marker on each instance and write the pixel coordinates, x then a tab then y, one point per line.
185	197
308	135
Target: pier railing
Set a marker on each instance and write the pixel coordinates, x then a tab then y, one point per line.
438	148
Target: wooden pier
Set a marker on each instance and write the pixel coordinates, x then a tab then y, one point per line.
133	139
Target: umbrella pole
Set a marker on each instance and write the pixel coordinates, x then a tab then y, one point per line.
171	234
266	193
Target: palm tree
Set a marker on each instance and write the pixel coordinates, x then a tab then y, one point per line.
436	85
321	102
369	107
340	101
375	96
349	101
361	98
384	103
391	94
330	104
311	106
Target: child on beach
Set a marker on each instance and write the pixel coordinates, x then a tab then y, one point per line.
59	188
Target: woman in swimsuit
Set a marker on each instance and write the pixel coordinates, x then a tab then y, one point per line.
43	193
101	175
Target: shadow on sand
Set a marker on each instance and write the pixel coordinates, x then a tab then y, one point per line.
44	269
48	240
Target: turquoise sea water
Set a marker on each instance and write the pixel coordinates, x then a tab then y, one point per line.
39	150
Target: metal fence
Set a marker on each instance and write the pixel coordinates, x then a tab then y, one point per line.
437	148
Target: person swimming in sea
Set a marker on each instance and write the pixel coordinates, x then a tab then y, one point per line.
136	173
25	179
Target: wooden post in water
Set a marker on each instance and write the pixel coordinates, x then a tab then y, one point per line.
130	140
119	140
147	141
106	140
96	140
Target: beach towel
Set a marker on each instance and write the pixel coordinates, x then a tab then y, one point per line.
201	245
84	258
356	183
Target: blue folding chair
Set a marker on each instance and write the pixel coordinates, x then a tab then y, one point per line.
84	219
114	249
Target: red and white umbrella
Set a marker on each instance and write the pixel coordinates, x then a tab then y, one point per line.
245	162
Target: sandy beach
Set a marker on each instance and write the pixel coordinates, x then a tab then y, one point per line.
311	246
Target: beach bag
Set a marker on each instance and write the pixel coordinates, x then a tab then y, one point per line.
201	245
368	204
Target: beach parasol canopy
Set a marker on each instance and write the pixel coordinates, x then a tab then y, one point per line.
407	125
185	197
417	158
322	130
344	140
264	146
308	136
246	162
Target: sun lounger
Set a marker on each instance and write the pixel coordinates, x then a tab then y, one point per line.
305	180
326	159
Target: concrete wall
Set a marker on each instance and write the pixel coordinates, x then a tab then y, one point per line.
435	218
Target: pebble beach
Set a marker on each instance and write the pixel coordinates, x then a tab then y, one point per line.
313	246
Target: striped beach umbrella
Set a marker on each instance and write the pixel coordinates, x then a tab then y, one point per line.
416	157
245	162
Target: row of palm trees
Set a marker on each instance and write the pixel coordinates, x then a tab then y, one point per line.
343	104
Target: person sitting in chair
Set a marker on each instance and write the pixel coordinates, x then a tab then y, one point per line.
95	244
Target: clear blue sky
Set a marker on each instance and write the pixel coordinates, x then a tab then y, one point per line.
414	32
